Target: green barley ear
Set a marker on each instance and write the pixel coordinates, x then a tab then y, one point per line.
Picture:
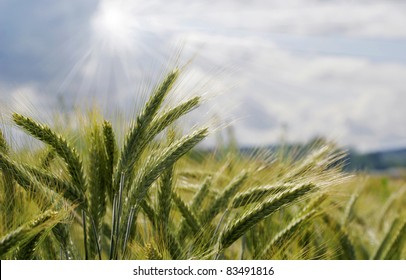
164	199
314	203
260	212
187	214
257	194
99	178
162	121
347	248
174	247
199	197
165	189
28	232
50	250
63	236
392	202
150	213
166	118
4	148
169	241
34	180
389	241
61	146
112	156
286	234
221	202
398	244
27	251
8	205
52	182
164	160
116	218
152	253
349	208
156	165
135	139
158	124
195	205
47	159
37	180
319	160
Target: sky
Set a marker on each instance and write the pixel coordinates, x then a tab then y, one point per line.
272	69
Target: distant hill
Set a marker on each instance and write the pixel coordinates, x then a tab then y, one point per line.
378	161
374	161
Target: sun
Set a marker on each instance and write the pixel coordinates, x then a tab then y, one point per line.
115	26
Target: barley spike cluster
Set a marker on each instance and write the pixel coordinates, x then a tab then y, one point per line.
97	188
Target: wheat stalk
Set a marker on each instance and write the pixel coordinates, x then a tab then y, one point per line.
29	231
196	203
47	159
150	213
173	246
398	244
159	123
169	240
199	197
98	179
347	248
164	199
187	214
116	218
9	202
27	251
390	203
152	253
388	240
61	146
135	140
111	152
48	180
164	160
257	194
4	148
62	234
349	208
165	119
35	180
155	166
286	234
260	212
222	200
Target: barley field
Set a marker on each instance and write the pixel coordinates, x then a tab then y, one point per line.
97	191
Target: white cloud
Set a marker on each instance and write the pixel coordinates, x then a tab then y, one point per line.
339	90
353	100
338	17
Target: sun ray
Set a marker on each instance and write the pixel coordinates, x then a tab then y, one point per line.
115	25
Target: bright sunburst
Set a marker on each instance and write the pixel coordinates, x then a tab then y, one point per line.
115	25
117	51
